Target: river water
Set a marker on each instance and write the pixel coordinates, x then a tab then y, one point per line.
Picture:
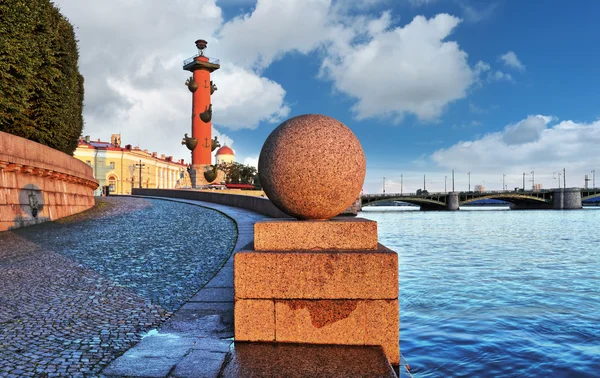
490	292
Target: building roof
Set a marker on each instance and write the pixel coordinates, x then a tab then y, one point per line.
100	145
225	151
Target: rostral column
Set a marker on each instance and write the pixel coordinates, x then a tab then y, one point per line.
201	86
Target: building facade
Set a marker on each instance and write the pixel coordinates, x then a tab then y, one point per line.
124	168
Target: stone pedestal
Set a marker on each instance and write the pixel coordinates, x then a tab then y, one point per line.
318	282
197	175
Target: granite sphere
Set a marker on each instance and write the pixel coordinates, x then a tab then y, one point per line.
312	167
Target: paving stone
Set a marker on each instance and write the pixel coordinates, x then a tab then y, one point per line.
69	307
200	364
214	294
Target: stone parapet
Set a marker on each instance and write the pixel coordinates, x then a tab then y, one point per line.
39	184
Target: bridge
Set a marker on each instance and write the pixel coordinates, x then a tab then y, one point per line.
557	199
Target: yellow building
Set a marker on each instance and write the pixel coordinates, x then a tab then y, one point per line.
119	167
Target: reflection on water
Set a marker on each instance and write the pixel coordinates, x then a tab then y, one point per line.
487	291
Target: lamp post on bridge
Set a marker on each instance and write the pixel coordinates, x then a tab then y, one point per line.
469	174
594	178
532	181
453	180
445	179
424	187
384	185
523	181
503	177
401	183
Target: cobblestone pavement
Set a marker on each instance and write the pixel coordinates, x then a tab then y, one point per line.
77	293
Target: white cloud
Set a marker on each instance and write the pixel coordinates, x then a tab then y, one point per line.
531	143
476	12
237	104
511	60
131	58
411	69
253	161
274	27
418	3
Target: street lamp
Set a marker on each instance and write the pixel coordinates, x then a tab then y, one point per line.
469	174
384	185
503	177
140	165
424	187
594	178
401	183
532	181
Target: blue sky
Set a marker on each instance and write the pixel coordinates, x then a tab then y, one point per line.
488	87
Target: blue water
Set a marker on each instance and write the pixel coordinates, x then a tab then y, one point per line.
497	293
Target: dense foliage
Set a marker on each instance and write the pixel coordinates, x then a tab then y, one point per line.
238	173
41	90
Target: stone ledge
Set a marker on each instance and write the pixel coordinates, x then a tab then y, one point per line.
268	360
316	274
333	234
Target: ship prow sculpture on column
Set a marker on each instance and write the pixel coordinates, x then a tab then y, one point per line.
314	278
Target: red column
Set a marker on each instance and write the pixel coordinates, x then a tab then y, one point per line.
200	103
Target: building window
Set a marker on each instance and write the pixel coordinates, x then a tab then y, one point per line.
112	183
112	165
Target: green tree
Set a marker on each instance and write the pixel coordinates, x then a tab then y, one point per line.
40	84
238	173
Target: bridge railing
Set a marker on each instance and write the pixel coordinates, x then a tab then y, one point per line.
433	194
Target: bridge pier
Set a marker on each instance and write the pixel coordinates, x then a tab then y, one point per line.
453	201
567	199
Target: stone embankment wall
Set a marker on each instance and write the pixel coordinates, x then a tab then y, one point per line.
258	204
40	184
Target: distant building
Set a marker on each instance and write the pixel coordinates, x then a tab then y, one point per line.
537	187
225	155
479	188
119	167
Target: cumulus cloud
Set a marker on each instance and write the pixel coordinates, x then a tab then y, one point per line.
511	60
411	69
530	143
274	28
239	106
131	57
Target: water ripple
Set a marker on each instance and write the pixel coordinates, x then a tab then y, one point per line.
497	293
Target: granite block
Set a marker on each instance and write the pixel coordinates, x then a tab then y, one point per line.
342	322
320	322
382	327
316	274
254	320
333	234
